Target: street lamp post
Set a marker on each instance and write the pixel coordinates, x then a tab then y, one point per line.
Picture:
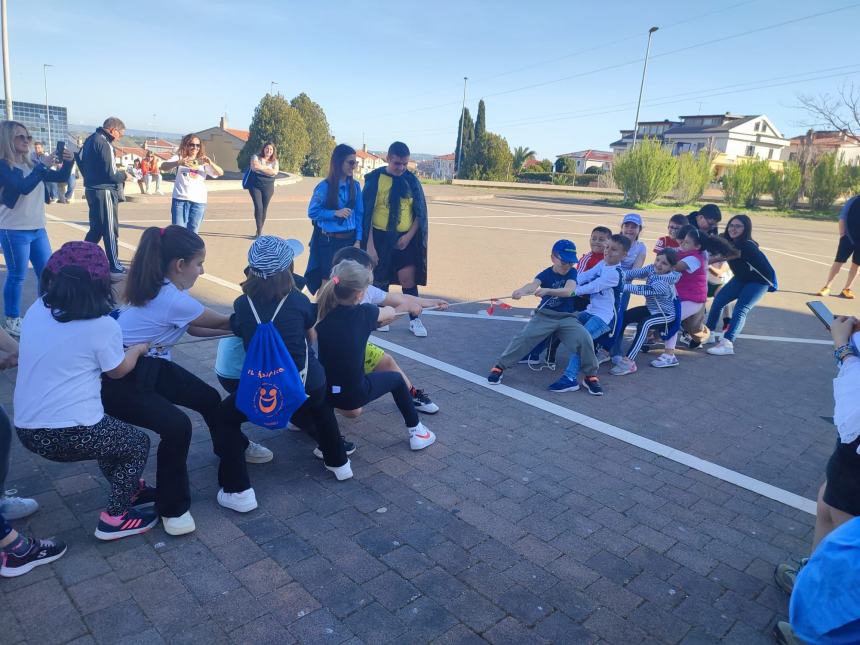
47	109
7	79
642	85
462	124
272	87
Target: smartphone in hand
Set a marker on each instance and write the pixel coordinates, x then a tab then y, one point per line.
821	312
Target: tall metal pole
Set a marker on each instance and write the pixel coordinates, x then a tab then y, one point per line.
462	124
47	109
642	85
272	87
7	79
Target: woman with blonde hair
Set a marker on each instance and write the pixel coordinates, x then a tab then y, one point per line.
189	189
22	214
343	328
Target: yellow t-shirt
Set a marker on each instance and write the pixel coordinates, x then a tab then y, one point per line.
380	207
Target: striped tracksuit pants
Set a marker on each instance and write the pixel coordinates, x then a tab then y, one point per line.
104	205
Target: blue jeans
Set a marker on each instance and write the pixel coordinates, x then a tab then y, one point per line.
596	328
747	295
187	214
614	344
21	248
70	186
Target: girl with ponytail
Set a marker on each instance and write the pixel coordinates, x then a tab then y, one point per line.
166	265
343	328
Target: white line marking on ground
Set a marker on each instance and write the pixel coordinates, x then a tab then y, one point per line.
522	319
707	467
715	470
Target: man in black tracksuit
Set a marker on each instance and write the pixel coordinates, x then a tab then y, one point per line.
101	187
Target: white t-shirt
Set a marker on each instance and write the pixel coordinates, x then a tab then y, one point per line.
29	211
162	321
60	367
374	296
190	183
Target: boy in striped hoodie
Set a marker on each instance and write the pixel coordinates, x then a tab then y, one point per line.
660	294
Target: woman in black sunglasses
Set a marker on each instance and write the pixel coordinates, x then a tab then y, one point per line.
189	188
337	211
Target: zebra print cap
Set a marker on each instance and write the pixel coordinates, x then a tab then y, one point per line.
270	255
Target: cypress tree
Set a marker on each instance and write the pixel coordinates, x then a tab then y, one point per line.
466	128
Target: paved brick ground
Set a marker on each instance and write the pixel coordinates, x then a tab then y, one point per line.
515	527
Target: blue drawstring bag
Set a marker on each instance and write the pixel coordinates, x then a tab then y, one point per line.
247	178
271	388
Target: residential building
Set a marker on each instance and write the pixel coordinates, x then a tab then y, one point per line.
126	155
646	129
730	137
846	146
160	146
223	144
34	118
367	162
443	167
585	159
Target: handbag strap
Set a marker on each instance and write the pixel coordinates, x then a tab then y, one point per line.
274	315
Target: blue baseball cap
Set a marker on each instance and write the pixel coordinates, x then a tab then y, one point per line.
565	250
632	218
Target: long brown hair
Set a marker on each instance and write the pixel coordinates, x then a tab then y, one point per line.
335	170
263	147
186	141
158	249
347	279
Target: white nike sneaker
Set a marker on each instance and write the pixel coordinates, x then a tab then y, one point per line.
243	502
417	327
384	328
420	437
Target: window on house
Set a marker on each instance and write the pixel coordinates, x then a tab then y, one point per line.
792	156
750	151
756	126
770	154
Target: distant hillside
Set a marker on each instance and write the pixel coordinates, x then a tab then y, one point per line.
149	134
415	156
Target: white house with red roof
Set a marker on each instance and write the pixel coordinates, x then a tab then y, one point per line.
367	162
223	144
160	146
443	167
845	145
585	159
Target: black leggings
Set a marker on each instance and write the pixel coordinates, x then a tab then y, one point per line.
376	385
147	397
645	321
261	195
316	416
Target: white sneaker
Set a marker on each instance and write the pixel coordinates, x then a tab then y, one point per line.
243	502
417	327
723	348
158	192
257	454
12	326
384	328
715	337
420	437
341	472
602	356
179	525
16	508
665	360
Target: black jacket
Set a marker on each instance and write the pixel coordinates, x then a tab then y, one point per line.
97	162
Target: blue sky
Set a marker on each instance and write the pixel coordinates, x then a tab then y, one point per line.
394	70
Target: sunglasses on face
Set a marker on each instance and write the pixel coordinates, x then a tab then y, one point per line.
193	145
24	137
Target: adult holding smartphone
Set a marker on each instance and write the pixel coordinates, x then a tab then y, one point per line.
839	495
189	189
849	247
22	214
103	184
337	211
264	169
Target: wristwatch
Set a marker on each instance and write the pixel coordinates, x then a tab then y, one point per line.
844	351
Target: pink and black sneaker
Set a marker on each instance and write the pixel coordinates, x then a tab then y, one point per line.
144	496
134	521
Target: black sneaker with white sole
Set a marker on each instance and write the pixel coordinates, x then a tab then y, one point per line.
423	403
592	385
348	446
495	375
40	552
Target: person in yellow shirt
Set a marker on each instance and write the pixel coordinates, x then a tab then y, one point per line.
395	227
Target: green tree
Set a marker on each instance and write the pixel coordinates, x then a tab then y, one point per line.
521	155
317	158
827	182
465	138
694	175
744	184
785	186
481	121
565	165
646	172
474	162
276	120
498	160
851	179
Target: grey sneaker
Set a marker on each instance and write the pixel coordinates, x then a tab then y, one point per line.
257	454
12	326
785	575
15	508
